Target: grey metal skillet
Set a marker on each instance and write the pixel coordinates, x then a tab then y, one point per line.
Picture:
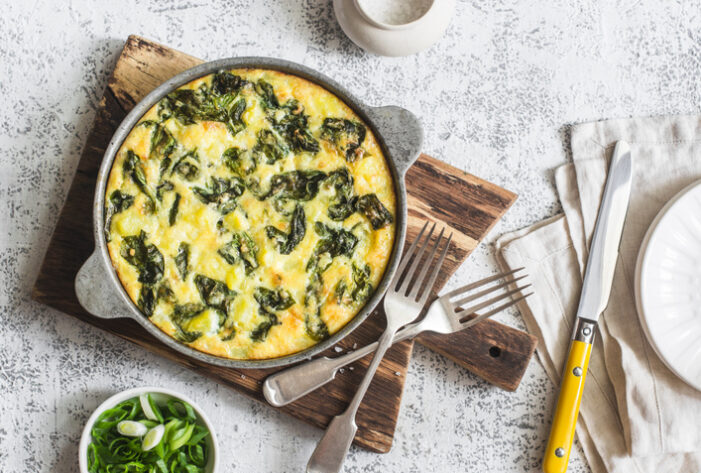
398	131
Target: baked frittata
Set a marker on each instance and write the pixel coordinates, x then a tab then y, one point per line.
250	214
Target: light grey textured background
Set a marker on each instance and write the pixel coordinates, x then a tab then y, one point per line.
496	95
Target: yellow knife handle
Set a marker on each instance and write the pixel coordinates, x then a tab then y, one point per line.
557	453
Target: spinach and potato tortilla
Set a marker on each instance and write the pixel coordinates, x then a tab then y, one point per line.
250	214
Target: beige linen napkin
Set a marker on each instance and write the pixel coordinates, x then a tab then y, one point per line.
636	415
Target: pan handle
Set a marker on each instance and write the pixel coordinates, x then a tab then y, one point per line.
402	133
95	291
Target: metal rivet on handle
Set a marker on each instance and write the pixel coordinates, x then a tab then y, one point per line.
560	452
586	330
577	371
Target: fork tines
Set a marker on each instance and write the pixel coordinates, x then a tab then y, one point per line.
414	284
491	294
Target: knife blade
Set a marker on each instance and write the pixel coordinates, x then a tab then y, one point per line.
596	290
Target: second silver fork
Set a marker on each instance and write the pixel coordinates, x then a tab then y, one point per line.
447	314
403	302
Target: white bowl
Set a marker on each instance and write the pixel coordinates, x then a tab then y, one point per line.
159	394
389	39
668	284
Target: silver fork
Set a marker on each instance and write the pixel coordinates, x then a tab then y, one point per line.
403	302
445	315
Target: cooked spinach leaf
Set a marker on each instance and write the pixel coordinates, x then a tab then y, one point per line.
147	300
150	295
235	122
293	124
294	185
333	241
173	213
133	168
373	209
346	135
216	103
165	186
118	202
360	289
183	314
267	94
162	141
361	281
343	203
315	326
227	83
286	242
273	300
214	293
222	192
240	162
241	248
260	333
269	146
340	292
187	166
147	260
182	259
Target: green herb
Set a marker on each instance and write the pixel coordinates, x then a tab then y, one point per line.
269	302
315	327
118	202
273	300
343	203
133	168
183	447
241	248
361	281
172	215
147	260
165	186
181	315
260	333
293	126
240	162
182	259
295	185
373	209
222	192
269	146
286	242
162	141
333	241
346	135
187	166
214	293
227	83
216	103
267	94
289	120
149	296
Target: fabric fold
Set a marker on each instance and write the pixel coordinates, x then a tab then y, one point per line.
636	414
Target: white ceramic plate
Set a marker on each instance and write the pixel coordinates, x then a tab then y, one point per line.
668	284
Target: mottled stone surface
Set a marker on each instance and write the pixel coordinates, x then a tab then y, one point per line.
496	95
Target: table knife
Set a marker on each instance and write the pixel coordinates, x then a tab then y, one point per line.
596	289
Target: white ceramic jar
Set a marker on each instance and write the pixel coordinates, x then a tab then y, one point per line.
394	27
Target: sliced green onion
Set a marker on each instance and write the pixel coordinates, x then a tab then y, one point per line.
151	410
131	428
153	438
125	439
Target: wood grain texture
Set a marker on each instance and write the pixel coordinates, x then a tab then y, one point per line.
438	192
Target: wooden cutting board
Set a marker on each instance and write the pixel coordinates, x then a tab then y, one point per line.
466	204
